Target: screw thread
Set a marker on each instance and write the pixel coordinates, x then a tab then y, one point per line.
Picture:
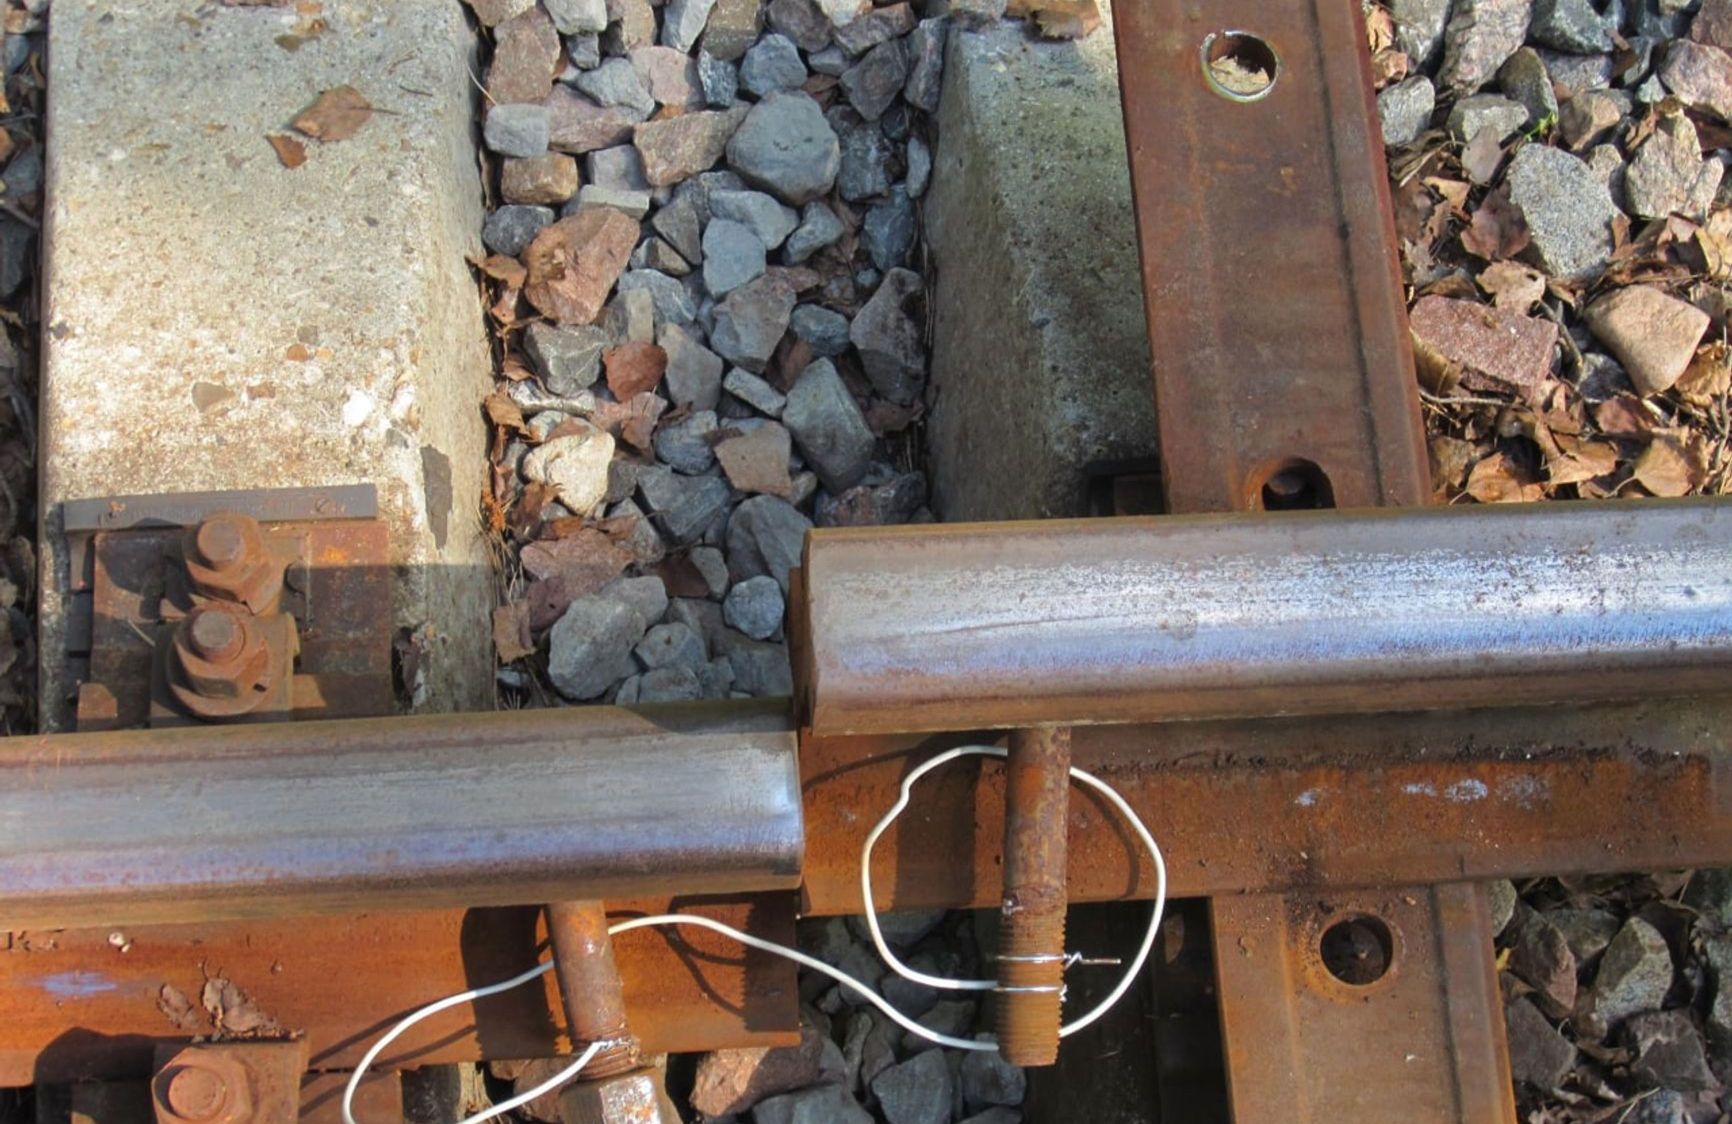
1031	955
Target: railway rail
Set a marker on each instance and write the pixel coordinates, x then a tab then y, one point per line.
1337	721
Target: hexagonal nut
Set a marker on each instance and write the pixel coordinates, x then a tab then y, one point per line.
225	679
254	579
203	1085
630	1098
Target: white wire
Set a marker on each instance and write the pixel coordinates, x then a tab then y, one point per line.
1131	973
1086	778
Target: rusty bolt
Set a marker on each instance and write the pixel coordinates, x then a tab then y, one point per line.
220	657
226	560
203	1085
215	636
629	1098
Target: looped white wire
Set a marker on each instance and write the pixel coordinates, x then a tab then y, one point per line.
1112	796
1081	776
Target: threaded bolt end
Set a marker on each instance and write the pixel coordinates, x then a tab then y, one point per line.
1031	956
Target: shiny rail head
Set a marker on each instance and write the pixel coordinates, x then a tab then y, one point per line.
411	812
993	626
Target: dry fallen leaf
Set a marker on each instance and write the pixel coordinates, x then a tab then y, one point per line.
511	637
1511	286
1499	229
1496	479
1066	19
337	115
501	268
1579	460
1450	457
503	412
1708	376
1666	467
1714	239
289	150
233	1010
1624	416
174	1005
1452	191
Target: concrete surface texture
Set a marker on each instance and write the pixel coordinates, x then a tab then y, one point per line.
218	320
1040	364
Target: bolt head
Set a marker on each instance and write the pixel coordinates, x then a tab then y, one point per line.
227	560
216	634
202	1085
196	1093
222	541
630	1098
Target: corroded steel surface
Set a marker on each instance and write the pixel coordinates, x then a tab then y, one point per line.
1186	617
590	990
1277	327
73	1006
1031	952
413	812
1298	804
326	564
1417	1037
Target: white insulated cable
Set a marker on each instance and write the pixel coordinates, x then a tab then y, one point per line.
674	919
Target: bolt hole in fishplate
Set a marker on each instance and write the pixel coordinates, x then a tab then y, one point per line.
1358	950
1239	66
229	606
1293	484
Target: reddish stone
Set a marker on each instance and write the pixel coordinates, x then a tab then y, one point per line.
1700	75
590	556
685	145
576	124
633	368
550	178
634	421
731	1081
1652	334
1484	347
1713	24
526	58
573	263
492	13
757	460
670	76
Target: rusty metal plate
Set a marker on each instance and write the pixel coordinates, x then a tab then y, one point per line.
379	1097
75	1007
1277	327
128	588
1298	804
1369	1006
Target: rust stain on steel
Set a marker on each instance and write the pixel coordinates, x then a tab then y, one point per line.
1194	617
1405	1023
378	1097
1273	295
1031	949
1284	377
1305	804
333	817
590	990
344	980
332	578
227	560
229	1083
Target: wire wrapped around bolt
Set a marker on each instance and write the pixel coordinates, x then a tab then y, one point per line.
1132	971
